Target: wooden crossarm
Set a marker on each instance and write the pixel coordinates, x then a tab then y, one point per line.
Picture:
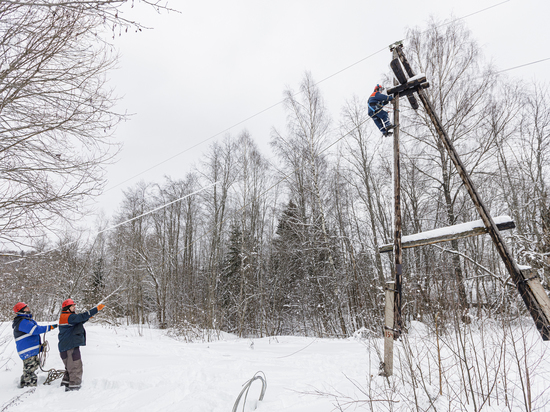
411	84
448	233
410	92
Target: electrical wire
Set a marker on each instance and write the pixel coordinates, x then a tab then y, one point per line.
523	65
473	14
115	226
53	374
282	101
285	177
246	388
299	350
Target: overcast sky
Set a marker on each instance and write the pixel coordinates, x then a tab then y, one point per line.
198	73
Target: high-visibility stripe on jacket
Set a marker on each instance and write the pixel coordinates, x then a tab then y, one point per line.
71	329
26	333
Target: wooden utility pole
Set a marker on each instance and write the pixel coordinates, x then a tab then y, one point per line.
397	250
530	289
393	320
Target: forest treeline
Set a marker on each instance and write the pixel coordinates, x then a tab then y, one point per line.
288	243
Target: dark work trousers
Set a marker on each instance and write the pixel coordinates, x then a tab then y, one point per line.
381	120
72	379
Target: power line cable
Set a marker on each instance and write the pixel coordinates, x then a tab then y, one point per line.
285	177
523	65
115	226
288	175
248	118
282	101
474	13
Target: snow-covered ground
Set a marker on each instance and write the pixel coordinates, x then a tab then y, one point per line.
144	369
136	369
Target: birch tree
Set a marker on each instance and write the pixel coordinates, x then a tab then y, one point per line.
304	153
460	88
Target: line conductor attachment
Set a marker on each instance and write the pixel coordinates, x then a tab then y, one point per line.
407	87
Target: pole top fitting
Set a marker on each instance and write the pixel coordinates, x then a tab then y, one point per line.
398	43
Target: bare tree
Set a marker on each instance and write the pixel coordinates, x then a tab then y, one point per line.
362	152
251	200
56	117
129	247
304	153
460	89
219	168
522	120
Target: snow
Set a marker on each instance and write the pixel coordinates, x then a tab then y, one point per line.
132	368
452	230
417	77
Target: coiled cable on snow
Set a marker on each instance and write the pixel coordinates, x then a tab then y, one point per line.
246	387
53	374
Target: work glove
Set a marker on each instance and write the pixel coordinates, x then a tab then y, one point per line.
100	306
52	327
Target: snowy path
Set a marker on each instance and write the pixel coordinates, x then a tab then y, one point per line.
124	371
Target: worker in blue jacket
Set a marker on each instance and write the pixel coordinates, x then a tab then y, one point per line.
72	336
27	340
377	101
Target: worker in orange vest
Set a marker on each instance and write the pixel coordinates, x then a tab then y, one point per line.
72	336
377	101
